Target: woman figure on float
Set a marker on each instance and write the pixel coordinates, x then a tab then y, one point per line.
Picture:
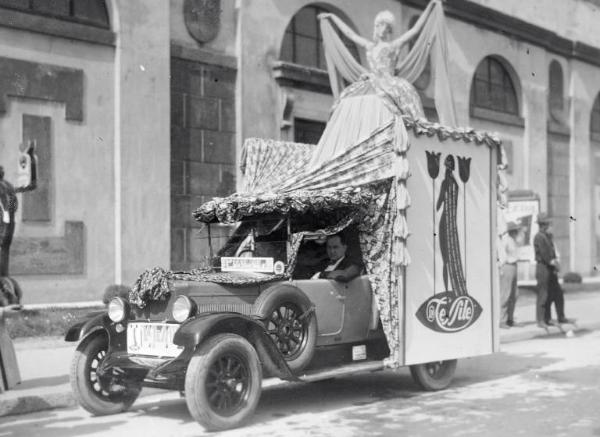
382	57
384	90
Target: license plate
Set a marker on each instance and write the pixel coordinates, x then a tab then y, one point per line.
154	339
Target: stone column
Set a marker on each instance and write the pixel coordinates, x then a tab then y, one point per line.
535	137
142	139
581	184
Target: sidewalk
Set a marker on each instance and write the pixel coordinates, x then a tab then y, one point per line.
44	362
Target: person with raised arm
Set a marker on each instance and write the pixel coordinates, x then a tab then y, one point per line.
382	91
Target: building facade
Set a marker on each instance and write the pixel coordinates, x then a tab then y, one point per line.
139	110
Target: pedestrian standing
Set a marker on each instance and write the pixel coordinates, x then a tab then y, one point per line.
9	369
8	208
508	274
546	274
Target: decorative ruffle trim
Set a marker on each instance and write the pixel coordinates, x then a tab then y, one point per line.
468	134
156	284
237	206
152	285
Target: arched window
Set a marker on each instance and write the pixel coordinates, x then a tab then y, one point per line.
493	88
90	12
303	43
595	119
555	96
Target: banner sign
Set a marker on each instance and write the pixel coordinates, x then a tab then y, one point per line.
451	292
242	264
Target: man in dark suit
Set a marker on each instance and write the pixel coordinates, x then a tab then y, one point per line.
546	274
338	265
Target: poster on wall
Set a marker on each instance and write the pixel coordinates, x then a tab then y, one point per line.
451	290
523	210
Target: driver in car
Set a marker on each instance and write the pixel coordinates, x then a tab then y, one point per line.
338	265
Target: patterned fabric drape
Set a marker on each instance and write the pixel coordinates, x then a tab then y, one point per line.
267	163
155	284
237	206
349	180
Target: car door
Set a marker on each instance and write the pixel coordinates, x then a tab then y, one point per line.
329	307
358	308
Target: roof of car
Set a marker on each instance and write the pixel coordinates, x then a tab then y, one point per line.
240	205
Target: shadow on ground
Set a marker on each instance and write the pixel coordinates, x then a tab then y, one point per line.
351	400
49	381
53	426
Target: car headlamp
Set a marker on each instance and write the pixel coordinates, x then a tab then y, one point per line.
183	308
117	309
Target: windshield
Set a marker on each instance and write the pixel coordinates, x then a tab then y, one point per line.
262	241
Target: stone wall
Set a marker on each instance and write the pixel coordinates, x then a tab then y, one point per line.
202	150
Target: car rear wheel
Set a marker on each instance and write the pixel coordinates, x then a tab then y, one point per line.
290	322
223	382
100	394
433	376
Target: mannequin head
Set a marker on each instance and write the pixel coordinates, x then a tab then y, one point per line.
383	26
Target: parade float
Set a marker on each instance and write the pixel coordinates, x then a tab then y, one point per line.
417	202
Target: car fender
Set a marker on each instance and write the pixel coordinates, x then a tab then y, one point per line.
195	331
91	323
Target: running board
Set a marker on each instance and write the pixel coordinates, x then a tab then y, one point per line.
331	372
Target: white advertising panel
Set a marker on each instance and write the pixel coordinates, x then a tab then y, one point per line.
524	212
243	264
450	299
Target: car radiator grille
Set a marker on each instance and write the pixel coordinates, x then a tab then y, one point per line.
242	308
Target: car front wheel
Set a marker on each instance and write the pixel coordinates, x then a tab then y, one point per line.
223	382
433	376
290	322
100	394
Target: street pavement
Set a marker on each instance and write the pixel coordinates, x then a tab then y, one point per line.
544	386
44	362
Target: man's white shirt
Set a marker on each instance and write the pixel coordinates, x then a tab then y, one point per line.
329	268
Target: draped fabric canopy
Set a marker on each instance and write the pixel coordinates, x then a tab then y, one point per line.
369	178
431	41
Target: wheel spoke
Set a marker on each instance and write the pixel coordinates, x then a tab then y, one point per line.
236	369
220	363
222	401
213	395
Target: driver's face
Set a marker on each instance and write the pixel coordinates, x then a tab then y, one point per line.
335	248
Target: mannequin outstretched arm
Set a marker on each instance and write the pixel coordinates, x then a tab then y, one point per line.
417	27
346	30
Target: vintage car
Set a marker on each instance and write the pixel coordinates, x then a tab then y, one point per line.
216	333
427	295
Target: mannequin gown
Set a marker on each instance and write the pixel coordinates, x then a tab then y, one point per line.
368	104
